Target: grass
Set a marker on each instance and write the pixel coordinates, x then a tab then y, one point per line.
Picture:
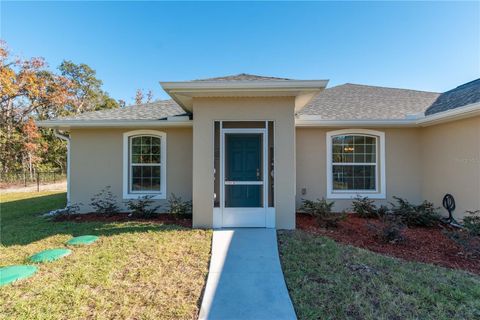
327	280
136	270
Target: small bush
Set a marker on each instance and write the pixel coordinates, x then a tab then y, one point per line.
472	222
105	202
68	210
322	211
142	207
382	210
317	207
365	208
178	207
423	215
391	230
469	237
469	242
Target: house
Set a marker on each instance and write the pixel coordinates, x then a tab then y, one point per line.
246	149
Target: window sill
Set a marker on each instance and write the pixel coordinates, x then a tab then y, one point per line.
349	195
156	196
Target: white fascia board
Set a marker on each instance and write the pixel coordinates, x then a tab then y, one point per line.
299	122
467	111
112	123
232	85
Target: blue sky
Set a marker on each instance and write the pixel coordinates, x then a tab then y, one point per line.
420	45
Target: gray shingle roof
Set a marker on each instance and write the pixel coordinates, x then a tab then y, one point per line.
243	77
148	111
361	102
343	102
463	95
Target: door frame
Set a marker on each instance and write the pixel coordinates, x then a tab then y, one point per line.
258	214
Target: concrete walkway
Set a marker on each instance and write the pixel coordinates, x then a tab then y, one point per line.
245	280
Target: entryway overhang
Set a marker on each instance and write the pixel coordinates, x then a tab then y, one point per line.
303	90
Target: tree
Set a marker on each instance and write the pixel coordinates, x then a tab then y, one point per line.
31	145
149	96
86	89
140	96
27	89
28	92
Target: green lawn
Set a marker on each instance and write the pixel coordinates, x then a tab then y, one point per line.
135	271
327	280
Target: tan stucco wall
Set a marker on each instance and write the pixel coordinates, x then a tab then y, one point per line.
451	163
421	163
97	161
402	164
278	109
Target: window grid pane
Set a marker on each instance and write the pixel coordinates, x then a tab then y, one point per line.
354	149
354	177
145	149
354	163
146	177
145	164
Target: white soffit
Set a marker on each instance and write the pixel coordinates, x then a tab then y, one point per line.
303	90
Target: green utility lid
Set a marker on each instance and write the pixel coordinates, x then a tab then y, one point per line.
13	273
50	255
82	240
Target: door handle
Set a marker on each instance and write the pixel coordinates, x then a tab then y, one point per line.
258	173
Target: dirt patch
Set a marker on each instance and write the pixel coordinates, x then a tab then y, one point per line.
427	245
123	217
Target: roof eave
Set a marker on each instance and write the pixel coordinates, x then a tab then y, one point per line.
354	123
468	111
464	112
68	124
184	92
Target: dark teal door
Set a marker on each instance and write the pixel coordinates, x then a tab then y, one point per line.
243	170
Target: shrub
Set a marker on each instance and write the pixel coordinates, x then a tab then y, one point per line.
104	202
178	207
423	215
322	211
365	208
142	207
390	230
469	242
472	222
382	210
68	210
317	207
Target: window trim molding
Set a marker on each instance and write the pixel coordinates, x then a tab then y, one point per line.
380	193
163	167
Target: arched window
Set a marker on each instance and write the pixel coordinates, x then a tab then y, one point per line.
144	164
355	164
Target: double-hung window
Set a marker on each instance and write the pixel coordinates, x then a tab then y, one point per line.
355	164
144	164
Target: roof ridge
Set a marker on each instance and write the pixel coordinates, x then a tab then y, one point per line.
383	87
234	77
463	85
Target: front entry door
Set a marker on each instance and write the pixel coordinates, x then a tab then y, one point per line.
244	178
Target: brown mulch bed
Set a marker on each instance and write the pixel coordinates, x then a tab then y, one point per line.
123	217
428	245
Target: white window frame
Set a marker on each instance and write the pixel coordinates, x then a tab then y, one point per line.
127	193
380	179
